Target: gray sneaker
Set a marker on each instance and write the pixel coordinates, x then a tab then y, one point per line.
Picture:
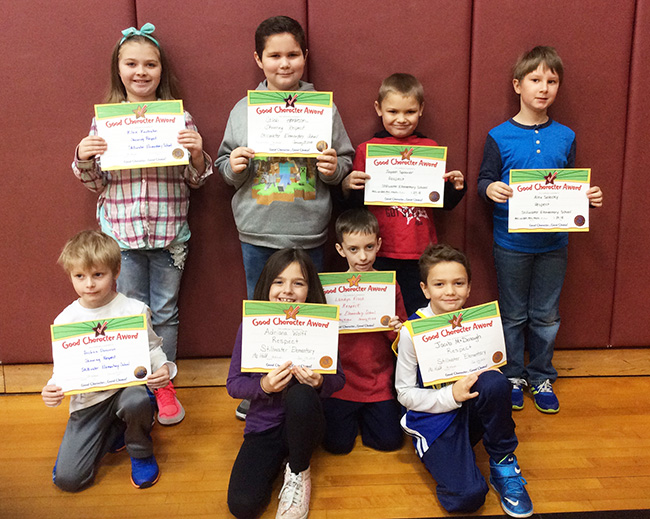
242	410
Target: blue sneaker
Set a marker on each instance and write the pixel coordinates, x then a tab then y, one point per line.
518	393
144	472
505	478
545	399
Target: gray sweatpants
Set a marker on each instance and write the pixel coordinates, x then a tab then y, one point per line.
91	432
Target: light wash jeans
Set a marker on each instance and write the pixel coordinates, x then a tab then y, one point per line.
529	299
153	276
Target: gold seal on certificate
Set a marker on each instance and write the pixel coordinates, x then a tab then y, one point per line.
366	300
549	200
99	355
453	345
306	334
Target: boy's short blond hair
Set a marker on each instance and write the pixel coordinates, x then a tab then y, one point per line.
355	221
403	84
90	249
529	61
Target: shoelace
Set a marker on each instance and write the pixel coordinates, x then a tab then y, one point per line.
165	395
545	387
291	493
518	382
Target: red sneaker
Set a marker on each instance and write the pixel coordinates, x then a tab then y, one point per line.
170	410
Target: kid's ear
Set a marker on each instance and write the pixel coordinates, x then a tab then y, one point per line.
425	291
378	108
421	108
339	249
516	86
117	274
378	244
258	60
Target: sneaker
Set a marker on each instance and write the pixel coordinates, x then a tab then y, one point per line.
295	494
545	399
242	410
518	393
506	480
144	472
170	410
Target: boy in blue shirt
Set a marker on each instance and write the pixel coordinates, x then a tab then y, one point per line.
530	266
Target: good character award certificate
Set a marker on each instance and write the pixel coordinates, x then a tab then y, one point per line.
453	345
286	124
405	175
141	135
366	300
304	333
98	355
549	200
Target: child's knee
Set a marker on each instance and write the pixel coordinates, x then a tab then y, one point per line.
71	479
465	500
245	506
495	384
336	445
387	442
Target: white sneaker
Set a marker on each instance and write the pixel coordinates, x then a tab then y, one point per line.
295	494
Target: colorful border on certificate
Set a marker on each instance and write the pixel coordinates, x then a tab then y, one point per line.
475	313
69	330
299	97
396	150
272	309
109	111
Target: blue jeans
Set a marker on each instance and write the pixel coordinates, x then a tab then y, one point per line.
529	297
150	276
255	258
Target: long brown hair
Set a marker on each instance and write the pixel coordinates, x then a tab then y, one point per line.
167	88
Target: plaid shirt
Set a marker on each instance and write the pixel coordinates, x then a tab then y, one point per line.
143	208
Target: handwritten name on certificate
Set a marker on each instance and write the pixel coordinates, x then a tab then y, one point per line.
549	200
451	346
304	333
289	123
405	175
98	355
366	300
141	135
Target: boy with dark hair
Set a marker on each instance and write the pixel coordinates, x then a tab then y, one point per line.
530	267
447	420
367	402
406	231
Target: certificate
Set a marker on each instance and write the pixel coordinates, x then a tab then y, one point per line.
549	200
292	123
304	333
453	345
366	300
98	355
405	175
141	135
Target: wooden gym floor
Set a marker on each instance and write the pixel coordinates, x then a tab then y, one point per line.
593	455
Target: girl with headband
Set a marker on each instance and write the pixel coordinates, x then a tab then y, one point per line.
145	210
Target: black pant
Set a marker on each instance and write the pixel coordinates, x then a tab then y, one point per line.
262	454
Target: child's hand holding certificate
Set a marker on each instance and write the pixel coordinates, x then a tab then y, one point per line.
451	346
